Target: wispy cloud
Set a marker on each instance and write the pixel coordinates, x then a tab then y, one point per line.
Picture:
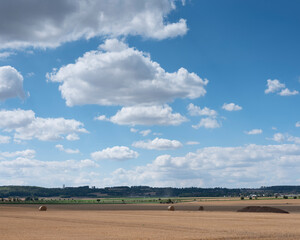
254	132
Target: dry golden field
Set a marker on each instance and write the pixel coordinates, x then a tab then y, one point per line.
219	220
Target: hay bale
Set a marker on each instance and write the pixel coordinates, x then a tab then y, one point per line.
171	208
42	208
201	208
262	209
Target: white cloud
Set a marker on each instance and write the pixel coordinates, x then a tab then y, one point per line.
133	130
145	132
297	124
192	143
115	153
102	118
11	83
15	118
4	55
294	139
30	74
287	92
26	126
231	107
72	137
254	132
244	166
123	76
147	115
158	144
49	129
197	111
27	171
67	150
4	139
278	137
274	86
28	153
207	123
51	23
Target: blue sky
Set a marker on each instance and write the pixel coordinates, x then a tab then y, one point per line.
159	93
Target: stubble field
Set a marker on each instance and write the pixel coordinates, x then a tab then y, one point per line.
219	220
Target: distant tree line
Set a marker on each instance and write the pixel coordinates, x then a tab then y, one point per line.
142	191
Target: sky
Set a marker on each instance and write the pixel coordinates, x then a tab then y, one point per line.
160	93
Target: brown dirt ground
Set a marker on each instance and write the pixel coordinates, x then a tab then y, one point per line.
76	222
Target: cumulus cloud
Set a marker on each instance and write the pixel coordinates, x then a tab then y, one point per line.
50	23
207	123
15	118
67	150
275	86
28	153
158	144
123	76
118	153
72	137
231	107
248	166
278	137
27	170
287	92
11	83
146	115
49	129
197	111
26	126
102	118
4	139
254	132
297	124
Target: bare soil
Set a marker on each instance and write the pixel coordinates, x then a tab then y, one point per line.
262	209
93	222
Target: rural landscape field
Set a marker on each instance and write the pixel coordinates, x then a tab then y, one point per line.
149	119
218	220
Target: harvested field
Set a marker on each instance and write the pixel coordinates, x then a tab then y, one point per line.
91	222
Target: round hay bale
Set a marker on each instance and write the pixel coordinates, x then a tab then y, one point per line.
42	208
171	208
201	208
